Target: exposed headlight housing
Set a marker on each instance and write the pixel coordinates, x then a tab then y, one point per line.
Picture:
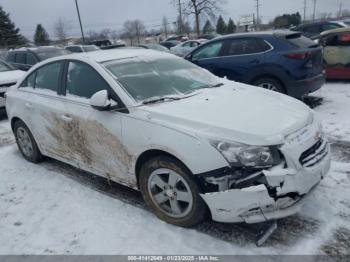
241	155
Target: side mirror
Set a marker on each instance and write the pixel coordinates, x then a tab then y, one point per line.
100	101
188	57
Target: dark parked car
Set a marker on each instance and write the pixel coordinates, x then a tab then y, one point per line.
313	30
81	48
25	58
170	44
282	61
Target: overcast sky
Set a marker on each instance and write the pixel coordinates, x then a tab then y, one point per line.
100	14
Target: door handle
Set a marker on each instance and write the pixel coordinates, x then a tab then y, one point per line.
66	118
29	105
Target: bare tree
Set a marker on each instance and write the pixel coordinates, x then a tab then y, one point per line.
140	30
134	29
165	26
61	29
202	7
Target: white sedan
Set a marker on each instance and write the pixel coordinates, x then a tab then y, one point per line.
8	77
192	143
187	47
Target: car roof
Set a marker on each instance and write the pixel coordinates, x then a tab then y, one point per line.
35	49
338	30
257	34
320	23
101	56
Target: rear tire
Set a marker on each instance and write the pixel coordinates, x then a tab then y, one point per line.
26	143
270	84
170	192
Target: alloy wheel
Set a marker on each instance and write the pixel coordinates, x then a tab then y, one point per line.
170	192
25	142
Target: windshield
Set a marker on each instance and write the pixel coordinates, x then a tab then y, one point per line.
5	67
160	78
49	53
90	48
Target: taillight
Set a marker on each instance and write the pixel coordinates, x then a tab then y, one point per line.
345	38
298	56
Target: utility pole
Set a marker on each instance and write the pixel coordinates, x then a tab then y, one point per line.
81	26
314	14
340	9
305	7
257	14
180	17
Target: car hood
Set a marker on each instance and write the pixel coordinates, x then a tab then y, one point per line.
10	76
235	112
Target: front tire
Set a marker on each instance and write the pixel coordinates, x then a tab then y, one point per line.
26	143
169	190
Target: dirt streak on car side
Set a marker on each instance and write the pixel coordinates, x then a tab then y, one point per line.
88	143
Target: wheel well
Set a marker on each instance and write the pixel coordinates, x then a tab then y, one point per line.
13	121
148	155
269	76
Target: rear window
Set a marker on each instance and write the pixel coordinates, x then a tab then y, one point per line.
300	41
90	48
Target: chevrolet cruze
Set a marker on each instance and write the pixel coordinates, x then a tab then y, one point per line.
192	143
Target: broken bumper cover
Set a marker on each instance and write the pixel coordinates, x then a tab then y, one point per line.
254	204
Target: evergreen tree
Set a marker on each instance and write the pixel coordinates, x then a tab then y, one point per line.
221	26
231	27
41	37
9	34
208	28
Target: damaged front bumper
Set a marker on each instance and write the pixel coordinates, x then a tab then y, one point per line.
290	186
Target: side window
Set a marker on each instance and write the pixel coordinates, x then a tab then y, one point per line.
263	46
194	44
31	60
29	81
327	27
208	51
47	77
11	57
243	47
312	30
83	80
21	58
188	44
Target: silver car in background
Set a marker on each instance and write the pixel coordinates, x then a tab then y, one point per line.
185	48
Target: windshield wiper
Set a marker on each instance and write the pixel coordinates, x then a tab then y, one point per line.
161	99
217	85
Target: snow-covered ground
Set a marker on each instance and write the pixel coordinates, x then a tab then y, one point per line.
52	208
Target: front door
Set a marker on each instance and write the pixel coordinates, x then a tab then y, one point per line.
91	138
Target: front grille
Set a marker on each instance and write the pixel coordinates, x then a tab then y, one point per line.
314	154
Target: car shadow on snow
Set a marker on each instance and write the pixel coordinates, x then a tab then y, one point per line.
289	230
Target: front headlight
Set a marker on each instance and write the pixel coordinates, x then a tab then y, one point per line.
241	155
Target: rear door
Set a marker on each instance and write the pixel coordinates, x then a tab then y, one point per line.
241	56
42	104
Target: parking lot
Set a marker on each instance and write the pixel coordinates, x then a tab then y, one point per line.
52	208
